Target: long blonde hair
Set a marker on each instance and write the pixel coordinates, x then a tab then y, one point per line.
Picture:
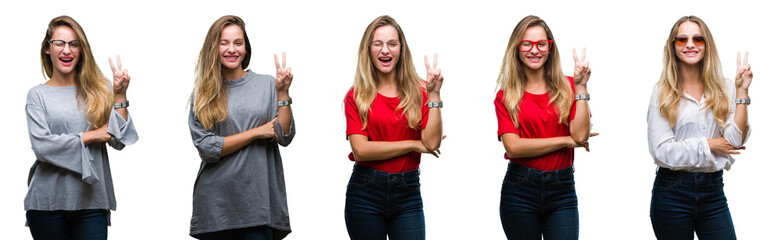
669	84
409	83
512	78
210	93
92	90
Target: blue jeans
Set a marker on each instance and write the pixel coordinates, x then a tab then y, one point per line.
249	233
91	224
684	202
379	204
538	204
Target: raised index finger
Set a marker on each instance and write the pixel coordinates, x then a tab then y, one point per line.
426	61
746	53
110	61
583	57
277	65
284	60
739	63
118	61
574	54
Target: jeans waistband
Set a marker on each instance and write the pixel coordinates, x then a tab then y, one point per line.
518	168
381	174
671	173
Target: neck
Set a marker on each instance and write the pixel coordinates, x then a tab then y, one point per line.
690	74
232	74
535	77
62	80
387	83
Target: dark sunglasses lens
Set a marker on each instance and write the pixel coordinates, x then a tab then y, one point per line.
681	40
698	40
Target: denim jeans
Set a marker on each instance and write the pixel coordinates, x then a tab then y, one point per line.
379	204
538	204
684	202
249	233
91	224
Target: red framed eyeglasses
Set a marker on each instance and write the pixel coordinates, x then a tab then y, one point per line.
542	45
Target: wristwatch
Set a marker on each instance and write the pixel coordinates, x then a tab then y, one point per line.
434	104
121	104
583	97
284	103
745	101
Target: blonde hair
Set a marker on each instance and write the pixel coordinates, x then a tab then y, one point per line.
669	88
512	78
210	93
92	90
409	83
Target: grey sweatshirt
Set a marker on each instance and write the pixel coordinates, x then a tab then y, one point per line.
68	175
245	188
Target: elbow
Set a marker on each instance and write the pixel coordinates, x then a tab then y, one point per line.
580	138
431	146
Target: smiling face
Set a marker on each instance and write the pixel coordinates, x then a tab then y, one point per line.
689	53
232	48
534	59
64	56
385	49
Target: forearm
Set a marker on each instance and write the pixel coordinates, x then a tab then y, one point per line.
740	116
431	136
284	113
122	111
517	147
364	150
235	142
580	127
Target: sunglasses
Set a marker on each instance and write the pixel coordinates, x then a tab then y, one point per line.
682	40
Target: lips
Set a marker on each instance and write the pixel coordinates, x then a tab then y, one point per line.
691	53
231	58
534	59
385	61
66	61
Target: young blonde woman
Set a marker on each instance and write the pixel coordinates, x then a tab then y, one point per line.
696	120
392	117
70	118
542	117
237	120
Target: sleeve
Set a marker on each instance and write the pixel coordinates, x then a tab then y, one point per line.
666	151
66	151
283	140
122	131
207	142
731	131
504	122
424	109
352	120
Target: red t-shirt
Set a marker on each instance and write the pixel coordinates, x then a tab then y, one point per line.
537	119
385	123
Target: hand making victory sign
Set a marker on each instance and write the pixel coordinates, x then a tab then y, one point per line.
744	75
283	78
121	79
582	72
433	79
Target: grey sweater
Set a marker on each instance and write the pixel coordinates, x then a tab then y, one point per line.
245	188
68	175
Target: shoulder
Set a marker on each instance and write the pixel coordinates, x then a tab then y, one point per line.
36	93
730	86
500	94
263	78
654	95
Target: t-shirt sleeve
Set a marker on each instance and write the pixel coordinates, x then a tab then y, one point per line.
352	120
505	123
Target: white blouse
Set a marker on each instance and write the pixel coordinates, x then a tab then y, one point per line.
684	146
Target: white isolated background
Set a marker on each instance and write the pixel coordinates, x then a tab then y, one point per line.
159	42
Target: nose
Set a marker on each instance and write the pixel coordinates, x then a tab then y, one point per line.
232	48
535	49
384	49
66	50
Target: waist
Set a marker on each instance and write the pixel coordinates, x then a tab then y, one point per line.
531	172
685	174
368	171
